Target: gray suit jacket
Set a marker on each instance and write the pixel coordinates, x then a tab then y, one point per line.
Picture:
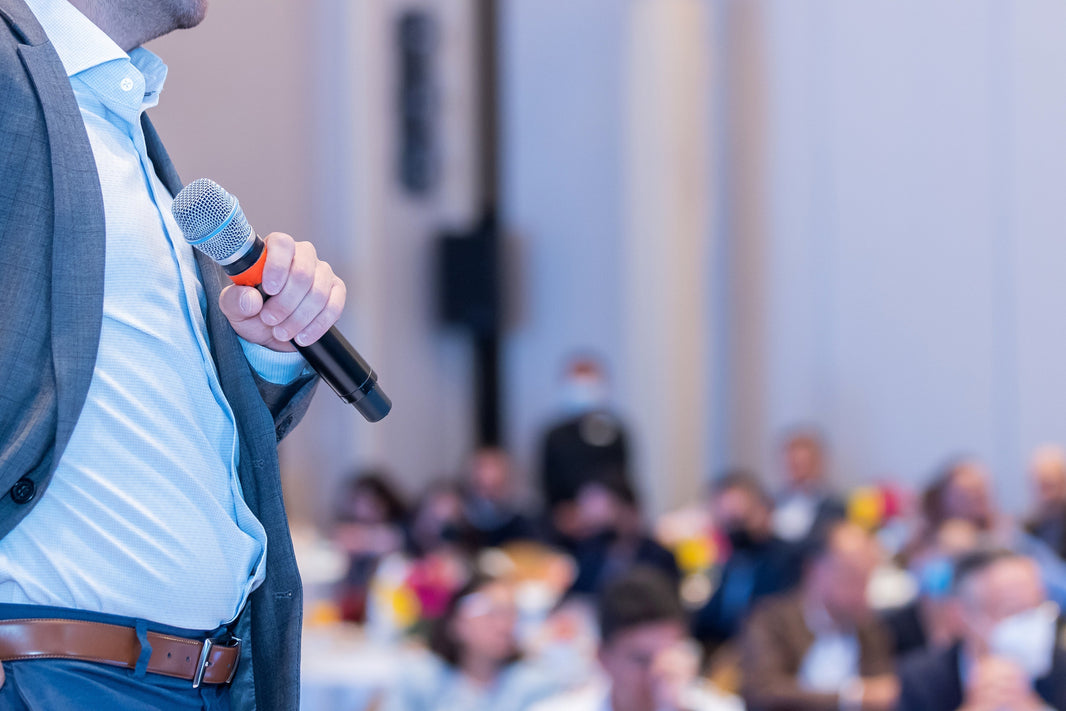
51	299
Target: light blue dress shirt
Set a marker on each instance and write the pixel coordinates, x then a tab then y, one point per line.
144	516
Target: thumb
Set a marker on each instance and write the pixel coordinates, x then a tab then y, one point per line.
240	302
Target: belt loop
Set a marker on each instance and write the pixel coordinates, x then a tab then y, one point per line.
146	649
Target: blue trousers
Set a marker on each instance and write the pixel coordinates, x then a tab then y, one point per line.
71	685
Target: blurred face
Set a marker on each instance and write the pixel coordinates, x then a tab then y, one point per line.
967	496
840	579
803	463
490	475
1048	470
629	660
1004	589
740	514
484	625
367	508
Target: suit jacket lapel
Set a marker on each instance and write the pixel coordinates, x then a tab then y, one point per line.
78	243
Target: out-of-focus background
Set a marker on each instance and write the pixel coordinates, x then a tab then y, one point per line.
717	228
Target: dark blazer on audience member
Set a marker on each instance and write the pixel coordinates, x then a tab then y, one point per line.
577	450
774	566
602	558
774	644
930	681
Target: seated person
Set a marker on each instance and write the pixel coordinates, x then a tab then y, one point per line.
476	664
369	525
488	500
612	538
821	648
759	564
647	663
931	619
1048	520
1008	657
806	505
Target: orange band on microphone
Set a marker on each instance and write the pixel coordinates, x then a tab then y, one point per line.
253	275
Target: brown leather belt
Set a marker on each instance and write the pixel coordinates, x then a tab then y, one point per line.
209	661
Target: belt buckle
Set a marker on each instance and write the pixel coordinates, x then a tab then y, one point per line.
205	658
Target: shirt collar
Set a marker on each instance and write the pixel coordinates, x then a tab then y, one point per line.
81	45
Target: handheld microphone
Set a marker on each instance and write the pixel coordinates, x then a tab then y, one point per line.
213	222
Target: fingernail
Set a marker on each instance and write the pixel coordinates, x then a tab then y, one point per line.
271	287
270	319
281	334
302	339
246	303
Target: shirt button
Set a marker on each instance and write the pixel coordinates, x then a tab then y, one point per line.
126	84
23	490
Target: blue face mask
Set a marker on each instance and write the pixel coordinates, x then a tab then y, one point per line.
584	394
935	577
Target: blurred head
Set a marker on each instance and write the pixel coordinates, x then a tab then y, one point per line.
1004	607
370	498
488	474
1047	468
803	455
960	491
741	509
606	505
438	519
584	383
838	572
478	626
640	619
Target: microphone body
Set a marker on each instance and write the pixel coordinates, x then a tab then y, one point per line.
214	223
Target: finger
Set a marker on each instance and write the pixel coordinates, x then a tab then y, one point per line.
240	303
327	317
298	283
316	300
281	248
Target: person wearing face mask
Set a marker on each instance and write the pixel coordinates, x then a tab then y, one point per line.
1008	658
759	563
587	438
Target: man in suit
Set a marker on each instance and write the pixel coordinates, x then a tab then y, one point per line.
1008	658
822	649
142	397
760	564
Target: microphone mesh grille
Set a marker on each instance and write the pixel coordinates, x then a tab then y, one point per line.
200	208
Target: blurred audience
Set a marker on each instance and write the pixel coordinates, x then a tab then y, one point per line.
1048	520
1008	657
821	648
931	620
476	664
648	664
611	537
806	503
586	441
489	500
758	564
368	526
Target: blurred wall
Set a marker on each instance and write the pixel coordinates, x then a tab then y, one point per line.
909	296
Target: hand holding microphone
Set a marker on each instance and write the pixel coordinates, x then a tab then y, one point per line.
283	296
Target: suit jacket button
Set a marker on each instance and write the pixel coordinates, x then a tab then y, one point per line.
23	490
